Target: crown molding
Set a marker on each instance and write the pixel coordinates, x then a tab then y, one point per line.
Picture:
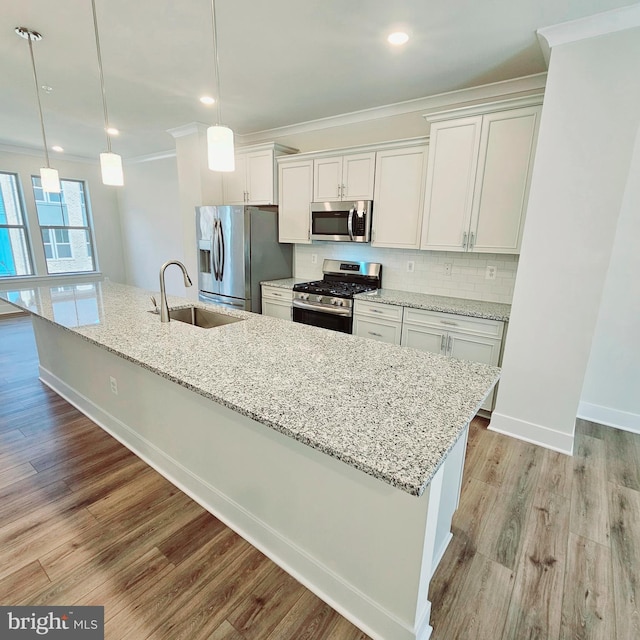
495	90
151	157
38	152
188	129
533	100
593	26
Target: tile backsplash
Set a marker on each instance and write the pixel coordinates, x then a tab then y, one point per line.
466	277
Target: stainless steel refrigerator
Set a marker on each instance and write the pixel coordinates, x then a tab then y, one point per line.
238	248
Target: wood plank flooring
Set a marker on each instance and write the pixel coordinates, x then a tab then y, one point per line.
544	546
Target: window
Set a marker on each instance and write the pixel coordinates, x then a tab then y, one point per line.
64	225
15	256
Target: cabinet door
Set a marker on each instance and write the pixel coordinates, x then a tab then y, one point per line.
295	181
276	309
398	197
451	172
234	183
423	338
507	146
327	179
260	178
358	171
383	331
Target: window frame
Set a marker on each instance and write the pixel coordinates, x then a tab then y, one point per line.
88	228
24	227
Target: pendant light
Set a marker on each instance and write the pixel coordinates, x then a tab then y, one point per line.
49	178
110	163
220	150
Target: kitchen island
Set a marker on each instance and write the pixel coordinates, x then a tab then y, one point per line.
338	457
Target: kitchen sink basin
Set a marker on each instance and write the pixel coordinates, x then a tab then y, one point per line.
199	317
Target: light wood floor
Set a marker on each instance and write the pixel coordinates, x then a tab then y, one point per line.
545	546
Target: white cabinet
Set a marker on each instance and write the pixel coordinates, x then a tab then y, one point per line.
474	339
254	180
347	177
276	302
295	180
478	179
398	197
377	321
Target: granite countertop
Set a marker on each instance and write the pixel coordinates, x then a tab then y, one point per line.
284	283
393	413
445	304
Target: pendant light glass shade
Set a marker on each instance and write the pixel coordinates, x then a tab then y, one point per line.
50	180
220	151
111	168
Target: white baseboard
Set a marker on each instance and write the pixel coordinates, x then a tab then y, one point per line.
294	560
533	433
624	420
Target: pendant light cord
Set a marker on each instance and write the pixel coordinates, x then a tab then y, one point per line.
214	31
104	93
35	79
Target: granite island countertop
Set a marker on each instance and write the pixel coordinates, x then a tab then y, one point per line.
390	412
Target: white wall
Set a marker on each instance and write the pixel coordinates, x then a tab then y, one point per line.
467	279
151	224
104	209
611	392
589	121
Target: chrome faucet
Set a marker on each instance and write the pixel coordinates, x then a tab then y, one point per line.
164	307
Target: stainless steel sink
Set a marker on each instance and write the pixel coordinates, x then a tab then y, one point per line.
199	317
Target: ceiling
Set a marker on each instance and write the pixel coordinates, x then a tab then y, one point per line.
282	62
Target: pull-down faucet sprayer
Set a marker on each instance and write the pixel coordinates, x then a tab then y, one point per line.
164	307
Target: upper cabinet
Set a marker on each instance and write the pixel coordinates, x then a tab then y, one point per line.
254	180
346	177
398	197
295	179
478	177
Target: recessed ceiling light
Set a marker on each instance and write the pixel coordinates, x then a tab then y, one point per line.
398	37
112	131
46	88
208	100
58	148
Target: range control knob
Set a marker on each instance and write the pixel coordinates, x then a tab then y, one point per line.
319	298
304	296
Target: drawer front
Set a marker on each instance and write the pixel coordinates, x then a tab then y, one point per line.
453	322
377	310
275	293
380	330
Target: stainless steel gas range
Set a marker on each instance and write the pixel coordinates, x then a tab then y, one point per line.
328	303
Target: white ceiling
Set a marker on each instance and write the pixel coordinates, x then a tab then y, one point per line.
281	61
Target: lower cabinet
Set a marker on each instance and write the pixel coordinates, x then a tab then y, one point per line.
462	337
276	302
382	322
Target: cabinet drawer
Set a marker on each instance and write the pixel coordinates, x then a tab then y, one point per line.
378	310
275	293
375	329
454	322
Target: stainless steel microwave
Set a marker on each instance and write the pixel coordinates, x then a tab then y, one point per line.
347	221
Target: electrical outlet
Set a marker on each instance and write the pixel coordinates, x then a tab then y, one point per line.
314	258
411	266
447	268
114	385
490	273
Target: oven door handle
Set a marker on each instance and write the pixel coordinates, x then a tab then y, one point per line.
350	222
321	308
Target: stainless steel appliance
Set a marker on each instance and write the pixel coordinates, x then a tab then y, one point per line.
237	248
348	221
328	303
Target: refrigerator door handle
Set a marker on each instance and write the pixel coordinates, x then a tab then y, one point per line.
214	253
221	241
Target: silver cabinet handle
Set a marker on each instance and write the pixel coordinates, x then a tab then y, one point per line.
375	310
449	322
472	239
464	240
373	333
449	344
278	295
442	342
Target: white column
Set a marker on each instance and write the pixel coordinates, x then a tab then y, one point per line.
590	117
